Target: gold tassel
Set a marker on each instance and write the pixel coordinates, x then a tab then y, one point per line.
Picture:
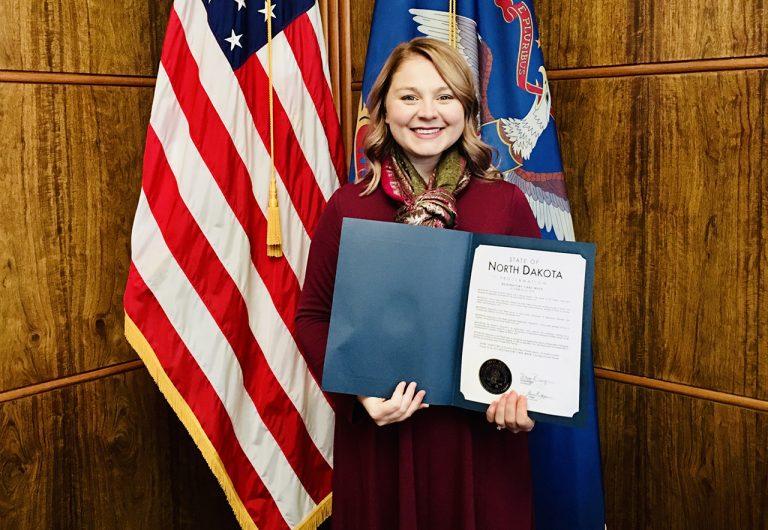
274	238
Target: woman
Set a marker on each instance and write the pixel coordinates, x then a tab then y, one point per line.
396	465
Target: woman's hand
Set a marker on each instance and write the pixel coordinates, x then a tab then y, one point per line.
510	411
401	406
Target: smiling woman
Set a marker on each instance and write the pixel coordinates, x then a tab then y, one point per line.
397	463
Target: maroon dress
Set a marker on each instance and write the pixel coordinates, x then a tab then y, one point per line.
444	467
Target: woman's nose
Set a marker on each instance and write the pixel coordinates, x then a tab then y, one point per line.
427	110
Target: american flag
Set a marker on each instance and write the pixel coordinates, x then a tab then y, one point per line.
209	313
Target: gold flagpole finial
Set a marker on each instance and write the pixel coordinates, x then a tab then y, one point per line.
274	236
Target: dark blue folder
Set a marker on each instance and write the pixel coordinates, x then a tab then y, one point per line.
399	305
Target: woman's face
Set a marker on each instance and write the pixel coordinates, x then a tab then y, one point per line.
423	114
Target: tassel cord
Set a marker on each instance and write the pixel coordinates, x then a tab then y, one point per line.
453	28
274	237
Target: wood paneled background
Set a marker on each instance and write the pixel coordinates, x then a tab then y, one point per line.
86	440
661	109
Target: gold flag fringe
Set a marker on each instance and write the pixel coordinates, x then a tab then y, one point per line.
321	512
274	237
139	343
189	420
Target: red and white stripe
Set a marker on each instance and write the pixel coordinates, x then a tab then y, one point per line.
217	312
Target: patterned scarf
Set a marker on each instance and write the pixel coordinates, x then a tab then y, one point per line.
430	203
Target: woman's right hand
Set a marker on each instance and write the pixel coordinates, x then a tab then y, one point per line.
401	406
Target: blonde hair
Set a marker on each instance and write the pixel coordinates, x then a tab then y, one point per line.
452	67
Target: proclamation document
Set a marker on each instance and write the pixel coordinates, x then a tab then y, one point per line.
523	328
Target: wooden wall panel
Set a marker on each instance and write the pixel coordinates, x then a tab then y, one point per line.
582	33
86	440
84	36
31	448
360	25
706	194
666	175
104	454
674	462
71	173
602	152
118	470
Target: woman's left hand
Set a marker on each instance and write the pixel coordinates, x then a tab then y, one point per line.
510	411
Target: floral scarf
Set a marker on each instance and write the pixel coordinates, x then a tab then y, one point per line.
430	203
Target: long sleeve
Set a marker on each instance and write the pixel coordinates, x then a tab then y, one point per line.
524	223
313	314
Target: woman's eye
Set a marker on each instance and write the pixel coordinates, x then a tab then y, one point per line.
408	98
445	97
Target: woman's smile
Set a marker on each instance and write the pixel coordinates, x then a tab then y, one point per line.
427	133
